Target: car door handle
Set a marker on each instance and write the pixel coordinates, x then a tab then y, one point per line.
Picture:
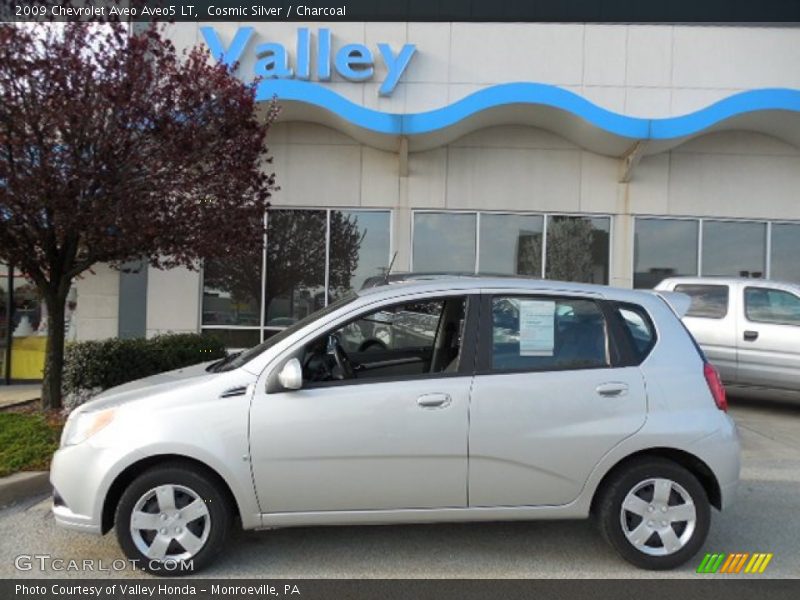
433	400
750	336
612	389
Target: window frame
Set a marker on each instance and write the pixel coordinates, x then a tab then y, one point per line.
715	285
766	289
618	356
466	364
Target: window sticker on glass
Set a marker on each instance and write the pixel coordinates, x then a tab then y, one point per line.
536	327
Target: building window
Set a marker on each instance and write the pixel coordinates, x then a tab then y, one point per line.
359	249
232	291
24	326
734	249
311	257
663	248
511	244
296	257
578	249
444	242
785	252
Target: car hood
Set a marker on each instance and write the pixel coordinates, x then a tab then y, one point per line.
149	386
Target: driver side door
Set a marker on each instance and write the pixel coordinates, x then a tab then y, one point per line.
393	436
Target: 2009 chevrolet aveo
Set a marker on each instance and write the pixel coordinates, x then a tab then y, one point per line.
466	399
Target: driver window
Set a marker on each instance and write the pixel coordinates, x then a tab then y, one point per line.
414	338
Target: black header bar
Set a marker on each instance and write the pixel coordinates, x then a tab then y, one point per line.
566	11
697	588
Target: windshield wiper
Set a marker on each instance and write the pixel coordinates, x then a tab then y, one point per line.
217	366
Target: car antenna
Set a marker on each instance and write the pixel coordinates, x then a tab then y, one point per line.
389	269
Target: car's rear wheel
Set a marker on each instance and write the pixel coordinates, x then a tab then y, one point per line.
654	512
173	519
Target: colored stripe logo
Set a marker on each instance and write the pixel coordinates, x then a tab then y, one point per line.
735	563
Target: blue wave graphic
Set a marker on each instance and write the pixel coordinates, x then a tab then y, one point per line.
530	94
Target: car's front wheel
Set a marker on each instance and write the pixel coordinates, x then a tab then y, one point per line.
655	513
172	519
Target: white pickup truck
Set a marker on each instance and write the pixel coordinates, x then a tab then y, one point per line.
749	329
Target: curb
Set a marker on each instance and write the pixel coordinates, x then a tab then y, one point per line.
16	403
21	486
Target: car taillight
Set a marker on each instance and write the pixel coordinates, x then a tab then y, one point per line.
716	387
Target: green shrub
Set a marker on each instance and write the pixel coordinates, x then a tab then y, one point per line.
27	441
105	364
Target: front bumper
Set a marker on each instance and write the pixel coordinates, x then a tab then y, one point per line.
81	476
69	520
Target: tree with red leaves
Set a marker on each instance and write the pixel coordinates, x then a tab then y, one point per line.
114	147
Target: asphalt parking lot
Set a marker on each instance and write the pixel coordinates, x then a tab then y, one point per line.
764	519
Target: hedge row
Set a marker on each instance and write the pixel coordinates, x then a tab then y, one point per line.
104	364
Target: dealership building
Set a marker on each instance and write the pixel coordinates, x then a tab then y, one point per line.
616	154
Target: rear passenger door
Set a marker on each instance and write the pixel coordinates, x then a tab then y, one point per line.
711	319
554	391
769	338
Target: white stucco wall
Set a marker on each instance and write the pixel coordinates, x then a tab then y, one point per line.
173	301
97	310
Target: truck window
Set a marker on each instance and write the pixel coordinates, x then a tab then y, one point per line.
767	305
708	301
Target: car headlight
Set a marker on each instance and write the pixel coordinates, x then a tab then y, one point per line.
83	425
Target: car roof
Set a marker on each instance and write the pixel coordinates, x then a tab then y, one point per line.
476	283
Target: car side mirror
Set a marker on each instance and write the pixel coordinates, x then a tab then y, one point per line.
291	375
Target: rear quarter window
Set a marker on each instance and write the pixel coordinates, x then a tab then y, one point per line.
638	330
709	301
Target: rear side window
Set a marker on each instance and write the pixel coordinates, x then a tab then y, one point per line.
708	301
767	305
638	329
545	333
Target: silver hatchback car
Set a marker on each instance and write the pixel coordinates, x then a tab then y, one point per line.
469	399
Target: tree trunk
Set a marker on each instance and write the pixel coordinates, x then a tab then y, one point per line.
54	352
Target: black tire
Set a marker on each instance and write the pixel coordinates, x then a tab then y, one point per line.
625	479
205	487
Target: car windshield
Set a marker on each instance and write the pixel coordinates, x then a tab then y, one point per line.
234	361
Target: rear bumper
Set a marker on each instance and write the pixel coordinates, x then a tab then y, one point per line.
721	451
728	493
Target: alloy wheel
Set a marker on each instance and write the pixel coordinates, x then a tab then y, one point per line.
170	523
658	516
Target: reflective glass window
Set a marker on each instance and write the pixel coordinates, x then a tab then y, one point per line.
578	249
663	248
785	258
734	249
444	242
511	244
